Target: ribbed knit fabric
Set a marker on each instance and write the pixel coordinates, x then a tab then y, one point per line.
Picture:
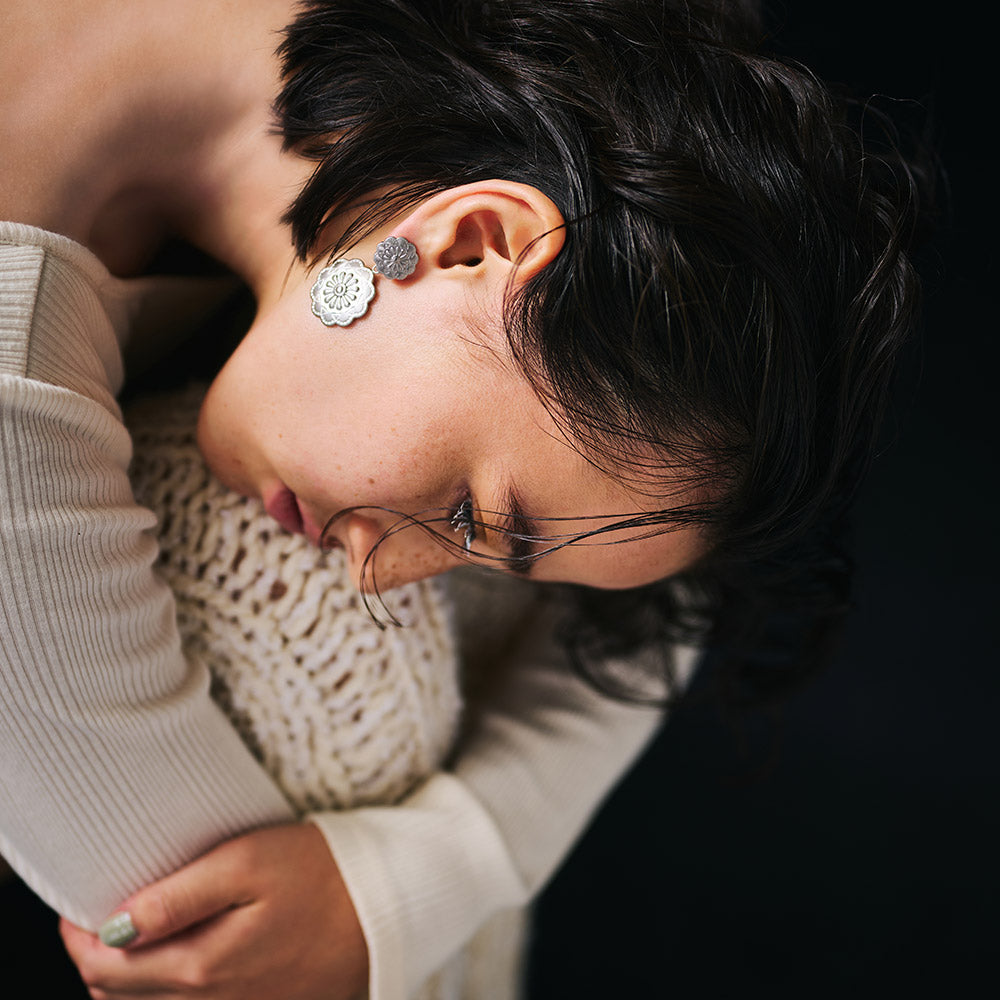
115	765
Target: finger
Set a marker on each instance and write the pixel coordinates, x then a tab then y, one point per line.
193	894
75	939
98	966
177	967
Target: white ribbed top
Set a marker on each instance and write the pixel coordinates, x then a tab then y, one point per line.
106	727
115	765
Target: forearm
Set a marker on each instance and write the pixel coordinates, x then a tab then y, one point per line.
115	766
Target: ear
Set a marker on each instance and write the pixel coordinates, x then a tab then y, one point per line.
497	227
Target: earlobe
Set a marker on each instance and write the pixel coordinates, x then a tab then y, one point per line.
496	224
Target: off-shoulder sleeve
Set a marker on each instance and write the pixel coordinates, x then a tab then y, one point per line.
115	766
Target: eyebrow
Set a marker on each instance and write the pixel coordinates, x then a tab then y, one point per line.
518	532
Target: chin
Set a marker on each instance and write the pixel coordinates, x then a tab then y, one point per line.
219	458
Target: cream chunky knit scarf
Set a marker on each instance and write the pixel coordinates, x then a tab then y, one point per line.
340	712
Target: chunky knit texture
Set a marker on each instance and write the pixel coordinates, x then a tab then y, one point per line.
115	766
341	712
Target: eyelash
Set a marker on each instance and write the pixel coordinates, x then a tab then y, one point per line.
463	519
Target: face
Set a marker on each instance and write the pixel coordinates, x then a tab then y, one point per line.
412	410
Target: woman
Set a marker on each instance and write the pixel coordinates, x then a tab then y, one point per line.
699	302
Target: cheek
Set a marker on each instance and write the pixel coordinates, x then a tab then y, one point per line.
400	452
372	467
411	555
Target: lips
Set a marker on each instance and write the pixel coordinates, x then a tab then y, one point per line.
284	508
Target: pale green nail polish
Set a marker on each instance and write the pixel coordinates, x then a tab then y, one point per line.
117	931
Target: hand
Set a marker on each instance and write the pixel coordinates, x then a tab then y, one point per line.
265	915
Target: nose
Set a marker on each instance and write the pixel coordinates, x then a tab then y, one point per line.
408	554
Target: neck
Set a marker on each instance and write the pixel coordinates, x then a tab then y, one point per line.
186	136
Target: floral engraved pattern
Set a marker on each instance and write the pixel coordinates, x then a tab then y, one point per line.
395	257
342	292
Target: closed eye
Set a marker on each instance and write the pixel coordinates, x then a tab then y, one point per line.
516	533
463	521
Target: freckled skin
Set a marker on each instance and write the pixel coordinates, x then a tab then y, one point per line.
397	567
404	410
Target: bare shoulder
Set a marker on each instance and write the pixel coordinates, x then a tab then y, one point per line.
37	79
64	75
54	78
120	120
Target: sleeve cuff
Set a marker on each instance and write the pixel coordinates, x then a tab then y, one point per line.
421	874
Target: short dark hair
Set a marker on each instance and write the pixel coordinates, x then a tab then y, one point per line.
733	289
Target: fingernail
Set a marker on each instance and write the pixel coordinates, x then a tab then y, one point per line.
117	931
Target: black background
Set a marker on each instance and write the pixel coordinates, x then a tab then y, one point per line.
865	862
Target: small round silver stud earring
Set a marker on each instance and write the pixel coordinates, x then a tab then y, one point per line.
342	292
396	258
343	289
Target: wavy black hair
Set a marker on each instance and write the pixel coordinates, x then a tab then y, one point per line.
732	293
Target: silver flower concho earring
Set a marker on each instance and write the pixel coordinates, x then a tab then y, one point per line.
343	289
